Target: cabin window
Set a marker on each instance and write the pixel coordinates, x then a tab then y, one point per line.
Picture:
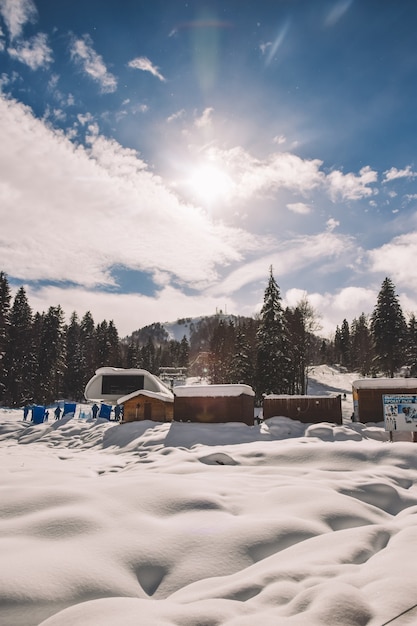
121	385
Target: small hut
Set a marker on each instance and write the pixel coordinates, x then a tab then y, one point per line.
147	405
368	392
214	404
306	409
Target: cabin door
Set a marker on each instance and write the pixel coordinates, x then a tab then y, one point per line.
147	414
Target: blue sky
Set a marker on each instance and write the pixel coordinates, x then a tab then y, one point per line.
156	158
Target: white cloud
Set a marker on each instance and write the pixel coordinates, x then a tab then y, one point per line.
253	176
128	311
71	214
205	118
176	116
393	174
351	187
279	139
331	224
299	207
16	13
348	303
397	259
83	53
144	64
289	257
34	52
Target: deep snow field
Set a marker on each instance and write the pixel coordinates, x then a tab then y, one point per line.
154	524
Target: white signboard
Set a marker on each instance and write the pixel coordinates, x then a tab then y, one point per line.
400	412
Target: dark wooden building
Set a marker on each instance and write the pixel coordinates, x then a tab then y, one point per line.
368	392
214	404
306	409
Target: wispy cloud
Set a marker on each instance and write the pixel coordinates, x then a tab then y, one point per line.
176	116
299	207
16	13
144	64
83	53
349	186
205	118
394	173
270	48
34	52
337	11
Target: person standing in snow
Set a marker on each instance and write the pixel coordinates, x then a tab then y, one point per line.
94	410
57	412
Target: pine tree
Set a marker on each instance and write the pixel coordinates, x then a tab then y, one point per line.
273	361
241	368
5	298
51	359
88	343
361	346
184	353
73	384
221	350
411	345
18	358
389	330
115	358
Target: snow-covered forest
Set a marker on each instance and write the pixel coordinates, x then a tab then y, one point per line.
42	358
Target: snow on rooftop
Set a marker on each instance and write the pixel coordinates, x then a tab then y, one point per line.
212	391
165	395
385	383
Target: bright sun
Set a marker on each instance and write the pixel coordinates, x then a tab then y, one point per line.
209	184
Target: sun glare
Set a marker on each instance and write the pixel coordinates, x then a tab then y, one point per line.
209	184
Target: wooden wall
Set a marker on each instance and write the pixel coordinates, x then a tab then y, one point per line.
306	409
218	409
145	408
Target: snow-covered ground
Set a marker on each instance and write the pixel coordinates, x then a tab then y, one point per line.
181	524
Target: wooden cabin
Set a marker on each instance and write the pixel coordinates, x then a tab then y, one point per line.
306	409
147	405
368	392
214	404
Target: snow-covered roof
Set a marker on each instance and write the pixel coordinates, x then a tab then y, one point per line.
166	396
385	383
212	391
276	396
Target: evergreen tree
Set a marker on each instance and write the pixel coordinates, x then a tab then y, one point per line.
345	344
18	359
273	361
184	353
5	298
411	349
88	345
389	330
51	358
221	351
115	358
74	382
241	367
133	355
103	344
361	346
148	357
